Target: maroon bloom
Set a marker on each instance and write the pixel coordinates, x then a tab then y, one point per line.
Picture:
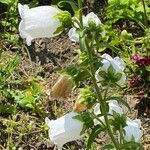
143	62
140	94
134	81
136	57
140	61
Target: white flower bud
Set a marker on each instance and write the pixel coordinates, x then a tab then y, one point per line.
133	131
38	22
73	35
64	129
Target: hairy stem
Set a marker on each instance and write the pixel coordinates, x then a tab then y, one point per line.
99	96
80	11
145	15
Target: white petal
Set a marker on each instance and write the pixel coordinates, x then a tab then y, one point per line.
114	106
133	130
122	80
64	129
120	63
91	16
115	66
21	9
136	123
107	57
73	35
97	112
38	22
105	67
97	76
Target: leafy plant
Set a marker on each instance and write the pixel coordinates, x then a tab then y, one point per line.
128	9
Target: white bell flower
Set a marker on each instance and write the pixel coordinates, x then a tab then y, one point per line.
113	106
74	36
38	22
117	64
92	16
64	129
133	131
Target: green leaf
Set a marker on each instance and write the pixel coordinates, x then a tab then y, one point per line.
120	100
103	74
118	76
95	131
86	118
132	145
6	109
118	121
72	3
111	71
6	1
59	30
108	147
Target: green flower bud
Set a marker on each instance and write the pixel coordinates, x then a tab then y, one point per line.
65	18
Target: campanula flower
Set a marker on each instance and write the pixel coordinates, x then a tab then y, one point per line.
133	131
64	129
117	74
74	36
38	22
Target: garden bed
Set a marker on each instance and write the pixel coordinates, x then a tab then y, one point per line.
23	128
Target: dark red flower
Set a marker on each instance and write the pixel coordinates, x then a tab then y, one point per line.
136	57
140	94
143	62
134	81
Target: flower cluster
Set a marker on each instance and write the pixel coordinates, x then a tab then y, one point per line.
138	81
141	61
132	128
66	128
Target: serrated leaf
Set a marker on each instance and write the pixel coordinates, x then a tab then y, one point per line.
95	131
132	145
111	71
108	147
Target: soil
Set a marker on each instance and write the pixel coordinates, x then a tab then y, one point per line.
45	58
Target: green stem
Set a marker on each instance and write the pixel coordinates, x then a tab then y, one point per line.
145	15
121	135
107	121
99	96
80	11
